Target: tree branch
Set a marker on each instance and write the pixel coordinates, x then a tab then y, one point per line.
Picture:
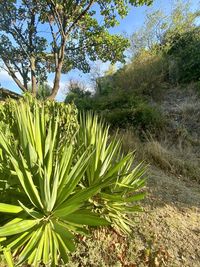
11	72
55	47
64	35
31	35
80	16
57	16
17	31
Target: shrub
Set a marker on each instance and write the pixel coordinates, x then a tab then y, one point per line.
114	200
120	118
122	109
68	123
196	87
61	183
184	56
78	95
147	117
142	117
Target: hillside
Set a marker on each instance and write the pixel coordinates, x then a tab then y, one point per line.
168	232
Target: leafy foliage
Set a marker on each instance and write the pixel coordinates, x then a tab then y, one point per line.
160	28
44	90
74	36
114	201
122	108
60	182
185	46
79	96
67	122
142	118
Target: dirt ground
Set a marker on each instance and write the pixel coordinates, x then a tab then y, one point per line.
166	234
171	222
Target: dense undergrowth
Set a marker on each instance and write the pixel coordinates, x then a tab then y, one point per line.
59	177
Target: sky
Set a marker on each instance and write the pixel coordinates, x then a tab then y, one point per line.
133	22
136	17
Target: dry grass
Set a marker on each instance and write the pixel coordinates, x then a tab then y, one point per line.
174	160
130	141
178	159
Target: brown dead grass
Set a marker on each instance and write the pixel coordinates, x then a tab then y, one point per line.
174	161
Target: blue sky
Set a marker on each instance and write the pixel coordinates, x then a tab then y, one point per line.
136	16
131	23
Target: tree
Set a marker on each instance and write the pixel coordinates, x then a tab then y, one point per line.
42	36
150	34
43	90
79	95
160	29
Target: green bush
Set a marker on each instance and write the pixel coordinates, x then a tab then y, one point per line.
115	100
58	184
122	109
142	117
147	117
184	56
196	87
119	118
79	96
68	123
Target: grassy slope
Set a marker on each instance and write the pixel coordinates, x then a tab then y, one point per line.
168	232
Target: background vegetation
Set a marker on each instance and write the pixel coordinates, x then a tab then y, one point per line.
163	54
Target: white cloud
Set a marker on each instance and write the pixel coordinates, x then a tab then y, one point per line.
4	76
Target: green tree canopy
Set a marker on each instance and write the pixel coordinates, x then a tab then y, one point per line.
42	36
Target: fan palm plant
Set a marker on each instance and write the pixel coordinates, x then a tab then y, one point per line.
61	186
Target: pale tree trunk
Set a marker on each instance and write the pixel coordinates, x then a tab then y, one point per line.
62	28
56	85
33	76
58	71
